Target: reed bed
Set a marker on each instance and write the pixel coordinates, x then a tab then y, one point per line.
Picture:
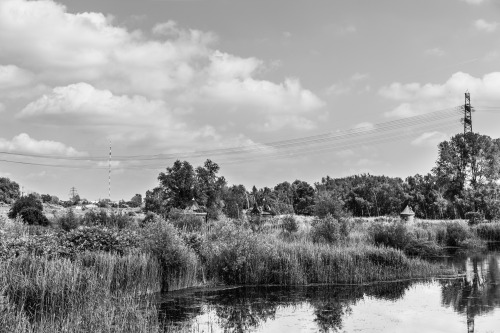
84	295
488	231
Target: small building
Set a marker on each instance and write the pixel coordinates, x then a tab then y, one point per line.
194	209
407	214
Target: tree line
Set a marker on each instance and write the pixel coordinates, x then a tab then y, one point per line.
465	179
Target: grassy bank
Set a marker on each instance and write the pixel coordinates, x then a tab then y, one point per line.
79	275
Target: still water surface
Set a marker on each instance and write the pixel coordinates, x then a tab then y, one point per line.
468	304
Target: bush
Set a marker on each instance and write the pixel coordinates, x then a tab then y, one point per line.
396	234
185	221
178	262
114	220
290	224
474	217
231	251
456	234
329	229
98	238
34	216
68	221
489	231
25	202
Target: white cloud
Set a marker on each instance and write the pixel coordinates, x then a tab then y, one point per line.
12	76
475	2
2	107
82	104
485	26
434	52
176	69
23	143
416	98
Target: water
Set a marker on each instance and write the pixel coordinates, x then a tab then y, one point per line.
468	304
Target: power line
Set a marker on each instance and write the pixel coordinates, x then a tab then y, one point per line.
378	133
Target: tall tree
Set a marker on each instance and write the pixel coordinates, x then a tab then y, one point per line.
9	190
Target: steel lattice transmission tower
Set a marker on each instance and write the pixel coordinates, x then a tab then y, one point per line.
467	114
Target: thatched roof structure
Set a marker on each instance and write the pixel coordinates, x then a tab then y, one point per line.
407	212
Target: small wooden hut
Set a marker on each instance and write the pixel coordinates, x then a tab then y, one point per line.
407	214
194	209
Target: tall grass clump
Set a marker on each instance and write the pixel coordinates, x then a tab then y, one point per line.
236	255
60	295
488	231
185	222
178	263
329	229
412	240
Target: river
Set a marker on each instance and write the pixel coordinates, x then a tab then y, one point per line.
467	304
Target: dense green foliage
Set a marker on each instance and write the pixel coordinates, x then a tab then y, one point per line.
464	181
33	216
9	190
25	202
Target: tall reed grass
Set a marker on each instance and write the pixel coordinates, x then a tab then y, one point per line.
94	293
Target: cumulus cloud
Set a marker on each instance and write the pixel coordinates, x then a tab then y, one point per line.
12	76
416	98
80	59
475	2
429	139
485	26
83	104
23	143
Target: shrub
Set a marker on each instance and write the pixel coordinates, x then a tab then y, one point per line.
185	221
150	217
177	261
329	229
289	224
113	220
25	202
68	221
474	217
230	251
396	234
489	231
97	238
34	216
456	233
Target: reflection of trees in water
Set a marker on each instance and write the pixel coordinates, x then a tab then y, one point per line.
478	292
244	309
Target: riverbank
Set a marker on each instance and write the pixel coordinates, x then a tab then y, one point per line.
93	275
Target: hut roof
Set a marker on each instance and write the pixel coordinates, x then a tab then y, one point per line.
407	211
255	210
192	207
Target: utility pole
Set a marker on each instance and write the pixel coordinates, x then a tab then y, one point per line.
467	120
72	193
467	114
109	173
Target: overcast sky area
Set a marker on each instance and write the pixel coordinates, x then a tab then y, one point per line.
172	77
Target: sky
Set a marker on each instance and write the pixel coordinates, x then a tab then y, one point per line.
361	86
